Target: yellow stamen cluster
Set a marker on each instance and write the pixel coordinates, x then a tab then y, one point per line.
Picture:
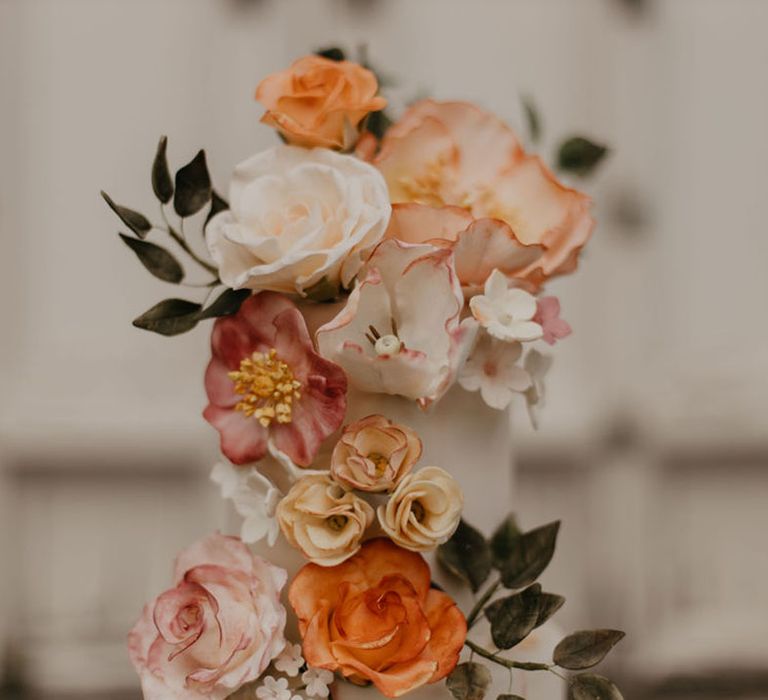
426	186
267	386
380	462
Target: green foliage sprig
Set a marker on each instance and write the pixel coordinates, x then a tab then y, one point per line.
190	191
518	558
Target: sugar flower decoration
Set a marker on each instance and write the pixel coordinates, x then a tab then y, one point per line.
274	689
290	660
505	313
297	218
317	681
424	510
548	317
324	521
255	499
265	381
374	454
537	365
492	369
400	331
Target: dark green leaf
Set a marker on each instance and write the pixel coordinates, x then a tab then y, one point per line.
378	123
585	649
193	186
321	291
549	604
507	696
218	204
332	52
504	539
156	259
579	155
138	223
588	686
170	317
226	304
532	118
162	185
514	617
469	681
530	555
467	555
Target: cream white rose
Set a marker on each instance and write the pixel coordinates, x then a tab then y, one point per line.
298	217
323	520
424	510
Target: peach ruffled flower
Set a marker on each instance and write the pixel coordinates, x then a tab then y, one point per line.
453	153
376	619
324	521
218	628
265	381
319	102
424	510
374	454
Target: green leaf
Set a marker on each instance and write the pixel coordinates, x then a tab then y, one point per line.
549	604
588	686
170	317
469	681
334	53
467	555
138	223
530	555
378	123
579	155
503	540
532	118
514	617
585	648
193	186
322	291
162	185
226	304
156	259
218	204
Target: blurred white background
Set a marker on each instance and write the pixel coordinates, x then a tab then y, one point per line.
653	448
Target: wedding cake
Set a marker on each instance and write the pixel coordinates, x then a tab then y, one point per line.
379	306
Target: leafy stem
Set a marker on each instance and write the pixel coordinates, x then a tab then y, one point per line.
477	609
182	243
507	663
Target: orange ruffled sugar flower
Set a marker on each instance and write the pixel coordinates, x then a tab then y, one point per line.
452	154
375	618
319	102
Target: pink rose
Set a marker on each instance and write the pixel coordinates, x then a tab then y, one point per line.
217	629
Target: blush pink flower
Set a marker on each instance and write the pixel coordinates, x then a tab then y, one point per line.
548	317
265	381
453	153
218	628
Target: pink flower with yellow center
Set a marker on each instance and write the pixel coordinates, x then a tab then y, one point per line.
265	381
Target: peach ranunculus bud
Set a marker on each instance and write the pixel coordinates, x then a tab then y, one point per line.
218	628
319	102
324	521
374	454
376	619
424	511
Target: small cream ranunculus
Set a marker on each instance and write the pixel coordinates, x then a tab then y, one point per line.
424	511
374	454
298	217
323	520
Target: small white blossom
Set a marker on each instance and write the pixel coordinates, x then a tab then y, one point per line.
254	498
290	660
273	689
536	365
492	369
317	681
506	313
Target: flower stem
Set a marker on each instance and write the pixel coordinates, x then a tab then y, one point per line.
474	614
507	663
182	243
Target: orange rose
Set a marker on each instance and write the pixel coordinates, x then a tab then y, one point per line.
319	102
453	153
375	619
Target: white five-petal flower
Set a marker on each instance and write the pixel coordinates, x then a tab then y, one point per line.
274	689
506	313
317	681
290	660
493	370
